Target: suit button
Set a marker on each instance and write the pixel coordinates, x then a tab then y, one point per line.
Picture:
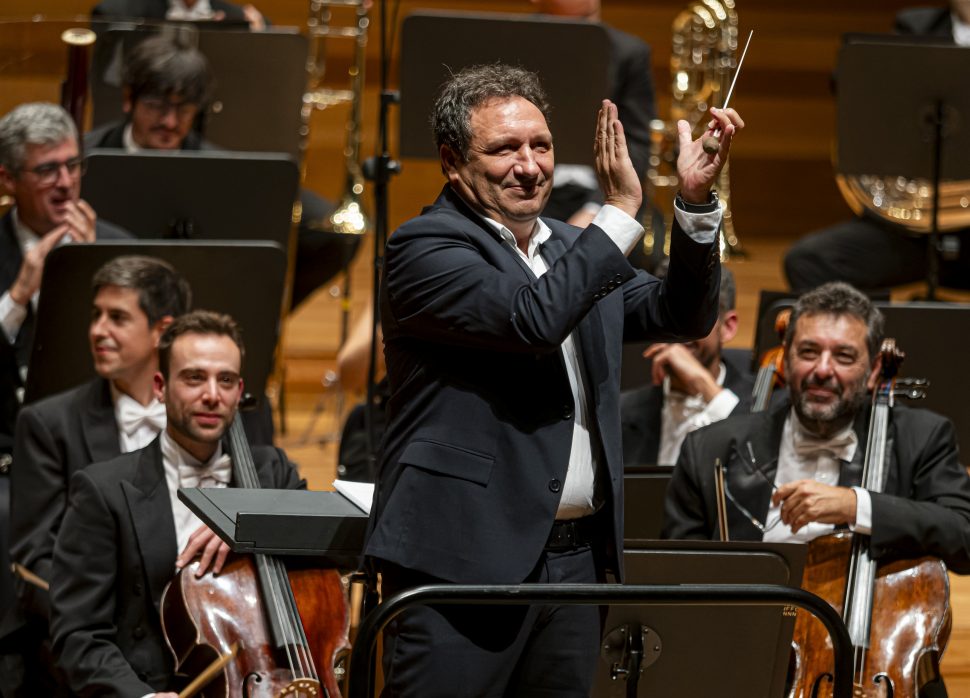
6	460
138	633
618	278
567	411
555	485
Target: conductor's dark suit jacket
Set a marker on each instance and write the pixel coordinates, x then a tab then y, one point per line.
114	555
923	510
481	413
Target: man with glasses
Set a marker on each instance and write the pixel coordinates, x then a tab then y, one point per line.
793	473
40	169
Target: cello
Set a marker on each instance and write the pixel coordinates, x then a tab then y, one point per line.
285	630
897	613
771	368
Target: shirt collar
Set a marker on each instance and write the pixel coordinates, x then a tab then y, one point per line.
129	140
540	234
26	237
175	455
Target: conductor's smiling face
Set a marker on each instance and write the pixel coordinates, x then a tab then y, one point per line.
507	175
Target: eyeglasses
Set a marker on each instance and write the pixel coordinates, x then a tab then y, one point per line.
48	172
160	107
751	467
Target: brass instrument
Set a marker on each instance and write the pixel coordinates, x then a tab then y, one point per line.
702	63
908	202
348	217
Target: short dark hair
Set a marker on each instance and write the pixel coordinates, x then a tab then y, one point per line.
839	298
198	322
167	64
162	291
472	87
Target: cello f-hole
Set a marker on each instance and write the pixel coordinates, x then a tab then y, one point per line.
817	684
884	678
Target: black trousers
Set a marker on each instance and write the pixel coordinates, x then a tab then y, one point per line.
495	651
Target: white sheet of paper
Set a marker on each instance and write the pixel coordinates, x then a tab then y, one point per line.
360	493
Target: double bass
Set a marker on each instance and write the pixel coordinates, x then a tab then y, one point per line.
266	632
771	368
897	613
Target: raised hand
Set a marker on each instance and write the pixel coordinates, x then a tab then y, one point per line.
614	169
697	169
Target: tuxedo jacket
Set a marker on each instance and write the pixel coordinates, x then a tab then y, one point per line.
925	21
480	410
114	554
14	357
924	508
641	409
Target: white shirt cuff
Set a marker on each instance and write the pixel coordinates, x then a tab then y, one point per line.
863	512
700	227
12	316
622	229
721	406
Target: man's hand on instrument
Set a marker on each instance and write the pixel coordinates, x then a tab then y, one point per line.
808	501
213	551
697	169
614	169
687	374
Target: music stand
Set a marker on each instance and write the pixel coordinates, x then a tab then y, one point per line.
260	78
644	492
564	53
194	195
219	273
901	132
745	649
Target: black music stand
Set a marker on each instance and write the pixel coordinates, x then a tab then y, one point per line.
219	273
194	195
260	78
283	522
902	132
644	492
571	57
743	650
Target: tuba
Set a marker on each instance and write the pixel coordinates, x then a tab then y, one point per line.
348	217
702	62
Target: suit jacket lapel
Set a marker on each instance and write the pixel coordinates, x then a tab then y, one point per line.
150	510
99	427
751	479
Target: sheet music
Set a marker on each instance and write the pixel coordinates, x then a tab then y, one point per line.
360	493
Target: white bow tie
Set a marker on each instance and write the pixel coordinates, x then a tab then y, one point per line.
134	416
219	471
841	446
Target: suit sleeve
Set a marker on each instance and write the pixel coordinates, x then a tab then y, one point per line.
84	597
40	496
684	506
441	288
934	519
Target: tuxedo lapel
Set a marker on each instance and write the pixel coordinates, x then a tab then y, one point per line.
99	428
752	464
150	510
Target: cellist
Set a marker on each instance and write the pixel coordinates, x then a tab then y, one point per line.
792	473
125	532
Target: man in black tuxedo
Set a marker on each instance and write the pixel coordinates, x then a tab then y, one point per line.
40	168
576	196
892	254
135	299
501	460
793	473
692	384
182	10
166	84
124	526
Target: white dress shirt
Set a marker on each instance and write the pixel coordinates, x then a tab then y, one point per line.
824	466
138	424
681	414
179	10
176	458
961	31
579	489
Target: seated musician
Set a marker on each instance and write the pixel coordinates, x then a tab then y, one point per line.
125	532
693	384
135	299
794	471
166	84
